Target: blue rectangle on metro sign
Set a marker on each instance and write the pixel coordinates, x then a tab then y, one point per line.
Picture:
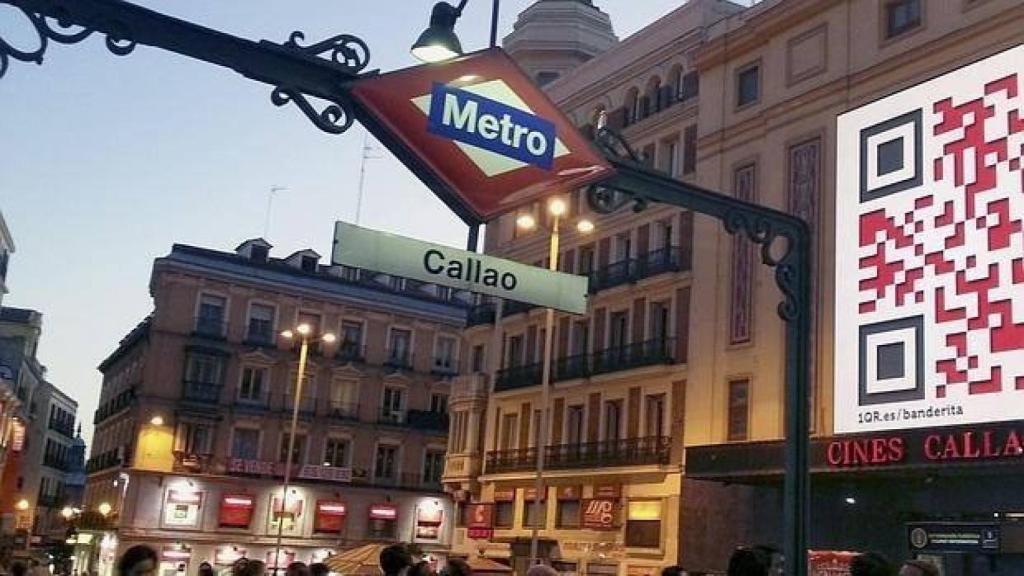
472	119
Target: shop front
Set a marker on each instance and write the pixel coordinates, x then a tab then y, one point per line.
949	495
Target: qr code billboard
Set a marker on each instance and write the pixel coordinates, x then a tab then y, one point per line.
929	327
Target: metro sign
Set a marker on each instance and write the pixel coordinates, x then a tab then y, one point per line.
485	130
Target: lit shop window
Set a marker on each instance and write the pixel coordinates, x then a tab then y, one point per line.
182	508
643	524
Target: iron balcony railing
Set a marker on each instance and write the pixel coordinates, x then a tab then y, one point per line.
515	377
614	359
351	352
648	450
260	333
208	392
670	259
57	463
307	404
114	405
344	411
399	359
63	427
210	327
444	366
427	420
481	314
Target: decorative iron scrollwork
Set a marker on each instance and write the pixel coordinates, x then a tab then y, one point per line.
614	144
335	118
121	42
346	50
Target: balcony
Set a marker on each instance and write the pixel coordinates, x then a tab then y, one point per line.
260	333
518	377
344	411
114	405
351	352
50	500
399	360
63	427
444	366
205	392
406	480
650	450
636	355
513	307
469	386
307	404
427	420
635	269
187	462
210	327
391	417
110	459
52	461
481	314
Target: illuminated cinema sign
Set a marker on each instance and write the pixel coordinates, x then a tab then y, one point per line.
929	327
486	137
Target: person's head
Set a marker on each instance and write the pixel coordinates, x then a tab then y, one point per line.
19	569
137	561
748	562
205	569
422	568
458	567
541	570
319	569
395	558
297	569
672	571
918	568
246	567
870	564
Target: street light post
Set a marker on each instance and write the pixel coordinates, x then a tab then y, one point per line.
557	208
304	332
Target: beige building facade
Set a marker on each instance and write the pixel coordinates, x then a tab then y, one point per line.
192	430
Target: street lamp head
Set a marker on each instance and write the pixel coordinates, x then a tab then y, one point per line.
157	420
288	334
328	338
304	329
585	226
557	206
22	504
104	509
526	222
67	512
438	42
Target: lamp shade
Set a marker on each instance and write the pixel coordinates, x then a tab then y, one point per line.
439	42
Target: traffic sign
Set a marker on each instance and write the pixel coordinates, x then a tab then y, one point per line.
485	130
409	258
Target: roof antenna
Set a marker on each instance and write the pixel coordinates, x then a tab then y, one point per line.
270	202
368	151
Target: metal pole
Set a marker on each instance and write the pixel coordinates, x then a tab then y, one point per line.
495	9
473	239
291	450
545	399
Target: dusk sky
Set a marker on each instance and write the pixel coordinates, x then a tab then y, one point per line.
106	161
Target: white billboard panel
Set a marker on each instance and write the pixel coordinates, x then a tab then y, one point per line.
929	327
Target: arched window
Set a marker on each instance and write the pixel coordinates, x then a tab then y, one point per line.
653	96
675	81
632	105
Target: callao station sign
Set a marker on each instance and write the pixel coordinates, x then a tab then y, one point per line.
484	130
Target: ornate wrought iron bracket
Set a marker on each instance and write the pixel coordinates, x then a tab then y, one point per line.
785	246
321	70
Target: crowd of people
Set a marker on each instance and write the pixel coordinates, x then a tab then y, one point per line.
397	560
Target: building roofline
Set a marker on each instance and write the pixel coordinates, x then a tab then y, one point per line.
6	232
128	343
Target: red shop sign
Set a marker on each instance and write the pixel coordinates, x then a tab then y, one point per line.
480	523
330	516
236	510
599	514
383	512
184	497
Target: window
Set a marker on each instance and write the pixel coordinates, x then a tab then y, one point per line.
351	339
568	514
902	16
261	324
211	315
515	351
193	438
530	516
478	358
336	452
504	514
433	467
391	404
748	85
308	263
444	354
297	451
385	466
509	425
439	403
623	246
544	78
586	260
260	253
460	429
612	420
245	444
252	385
400	347
690	149
344	397
643	524
204	369
739	410
618	326
689	85
580	337
574	426
659	313
670	163
654	417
